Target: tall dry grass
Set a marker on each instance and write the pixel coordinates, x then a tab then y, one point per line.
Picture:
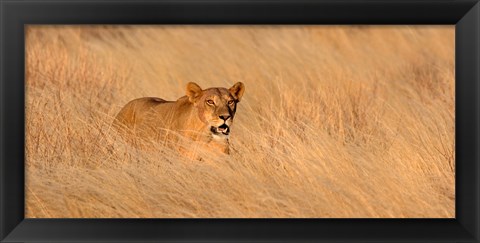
336	121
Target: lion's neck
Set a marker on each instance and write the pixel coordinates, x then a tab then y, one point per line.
189	118
221	144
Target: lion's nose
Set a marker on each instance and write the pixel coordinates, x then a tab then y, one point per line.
224	117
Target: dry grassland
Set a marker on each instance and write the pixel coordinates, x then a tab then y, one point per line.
336	121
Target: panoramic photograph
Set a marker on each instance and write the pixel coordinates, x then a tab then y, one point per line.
239	121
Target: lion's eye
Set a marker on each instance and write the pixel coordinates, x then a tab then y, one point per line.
230	102
210	102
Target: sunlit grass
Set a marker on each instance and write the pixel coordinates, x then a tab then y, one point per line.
335	121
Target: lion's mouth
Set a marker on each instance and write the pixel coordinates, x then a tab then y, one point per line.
223	129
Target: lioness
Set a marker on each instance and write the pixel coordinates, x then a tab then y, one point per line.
204	116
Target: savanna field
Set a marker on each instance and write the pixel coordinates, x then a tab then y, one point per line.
336	121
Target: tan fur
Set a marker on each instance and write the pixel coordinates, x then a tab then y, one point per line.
196	116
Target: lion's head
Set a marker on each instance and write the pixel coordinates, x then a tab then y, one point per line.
216	106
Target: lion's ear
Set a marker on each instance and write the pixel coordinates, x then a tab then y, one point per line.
237	91
193	91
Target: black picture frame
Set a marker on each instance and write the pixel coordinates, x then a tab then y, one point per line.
15	14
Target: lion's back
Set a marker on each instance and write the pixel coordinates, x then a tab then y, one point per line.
139	110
